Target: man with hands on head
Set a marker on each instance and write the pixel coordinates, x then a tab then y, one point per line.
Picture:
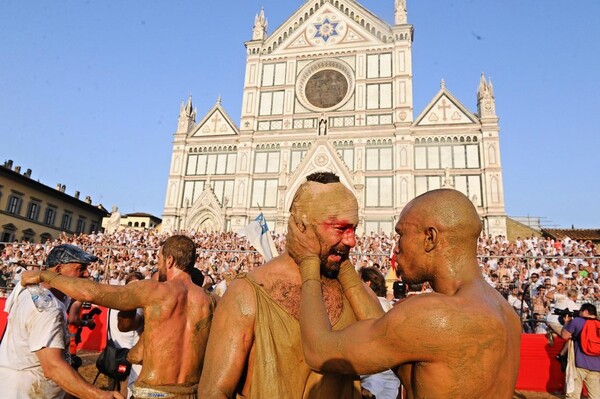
461	341
34	359
177	318
254	349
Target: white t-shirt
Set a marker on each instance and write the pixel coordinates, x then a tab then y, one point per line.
125	340
29	331
384	385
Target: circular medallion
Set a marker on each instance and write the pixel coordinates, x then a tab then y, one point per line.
325	85
326	88
321	160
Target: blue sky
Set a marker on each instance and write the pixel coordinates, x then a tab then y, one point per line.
90	90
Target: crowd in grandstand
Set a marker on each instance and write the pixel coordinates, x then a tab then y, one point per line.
535	274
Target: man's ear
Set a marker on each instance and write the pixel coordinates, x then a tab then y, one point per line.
431	239
58	268
169	261
302	223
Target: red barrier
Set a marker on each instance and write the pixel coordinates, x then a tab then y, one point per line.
3	315
95	339
90	339
539	370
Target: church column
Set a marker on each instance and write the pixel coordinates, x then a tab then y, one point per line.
491	175
186	123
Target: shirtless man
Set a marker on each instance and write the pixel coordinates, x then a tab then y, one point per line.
461	341
177	318
254	349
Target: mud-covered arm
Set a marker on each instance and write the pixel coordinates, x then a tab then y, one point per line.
362	299
120	297
372	345
229	343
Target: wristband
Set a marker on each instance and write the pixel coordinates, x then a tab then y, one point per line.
310	269
348	277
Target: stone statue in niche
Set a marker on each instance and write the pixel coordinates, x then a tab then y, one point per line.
114	221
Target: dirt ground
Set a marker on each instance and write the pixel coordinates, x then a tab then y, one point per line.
89	371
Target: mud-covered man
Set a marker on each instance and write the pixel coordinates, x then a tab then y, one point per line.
177	316
461	341
254	349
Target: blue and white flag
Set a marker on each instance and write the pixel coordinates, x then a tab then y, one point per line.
257	233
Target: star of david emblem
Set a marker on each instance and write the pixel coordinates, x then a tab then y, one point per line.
326	30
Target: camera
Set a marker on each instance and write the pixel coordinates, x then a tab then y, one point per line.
90	316
562	313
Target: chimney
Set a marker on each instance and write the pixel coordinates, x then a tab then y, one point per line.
88	200
8	164
63	188
18	169
27	173
76	194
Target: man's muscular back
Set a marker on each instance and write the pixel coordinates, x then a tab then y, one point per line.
176	330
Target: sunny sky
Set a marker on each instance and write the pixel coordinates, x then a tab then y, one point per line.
90	90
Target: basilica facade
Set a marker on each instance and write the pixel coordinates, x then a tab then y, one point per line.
331	90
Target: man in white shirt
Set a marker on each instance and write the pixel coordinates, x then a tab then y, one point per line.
34	360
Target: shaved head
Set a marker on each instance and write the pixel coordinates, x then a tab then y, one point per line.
447	209
437	229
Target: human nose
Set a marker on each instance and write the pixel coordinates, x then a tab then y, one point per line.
349	239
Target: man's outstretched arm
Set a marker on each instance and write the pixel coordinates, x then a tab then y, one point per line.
127	297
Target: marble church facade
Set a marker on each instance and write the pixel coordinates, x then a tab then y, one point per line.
331	90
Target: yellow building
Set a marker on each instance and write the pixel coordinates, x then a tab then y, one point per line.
31	211
135	221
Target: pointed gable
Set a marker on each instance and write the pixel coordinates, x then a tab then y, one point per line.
205	211
321	157
445	109
216	123
313	26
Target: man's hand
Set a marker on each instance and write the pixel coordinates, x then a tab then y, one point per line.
304	247
302	241
30	278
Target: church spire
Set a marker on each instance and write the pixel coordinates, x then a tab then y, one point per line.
259	31
187	116
400	14
486	103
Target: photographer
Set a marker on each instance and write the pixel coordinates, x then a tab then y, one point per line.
587	368
77	321
565	308
562	302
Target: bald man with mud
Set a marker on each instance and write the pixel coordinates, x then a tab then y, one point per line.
461	341
254	349
177	317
